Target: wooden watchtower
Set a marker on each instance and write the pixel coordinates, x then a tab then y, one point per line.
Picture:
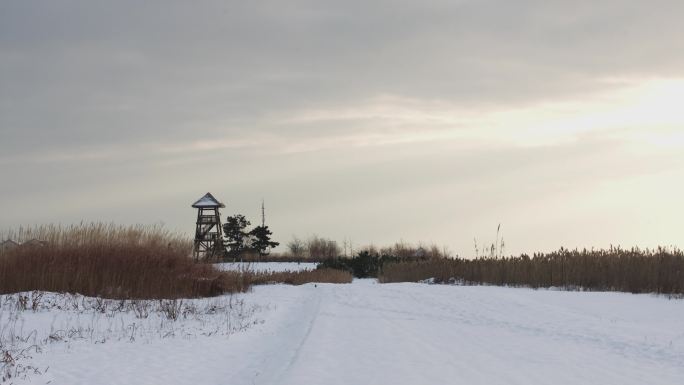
208	233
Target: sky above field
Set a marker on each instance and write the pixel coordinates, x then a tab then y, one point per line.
373	121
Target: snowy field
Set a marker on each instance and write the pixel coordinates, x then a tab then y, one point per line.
267	266
367	333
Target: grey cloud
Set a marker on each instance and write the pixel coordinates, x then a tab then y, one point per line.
89	68
109	98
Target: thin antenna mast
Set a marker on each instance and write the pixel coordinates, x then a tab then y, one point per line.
263	214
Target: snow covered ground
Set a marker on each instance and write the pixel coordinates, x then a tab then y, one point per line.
367	333
267	266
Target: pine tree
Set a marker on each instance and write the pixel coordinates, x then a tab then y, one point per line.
236	235
261	240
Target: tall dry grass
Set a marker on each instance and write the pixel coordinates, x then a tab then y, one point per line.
616	269
86	234
106	260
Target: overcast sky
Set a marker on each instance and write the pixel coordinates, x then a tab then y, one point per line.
375	120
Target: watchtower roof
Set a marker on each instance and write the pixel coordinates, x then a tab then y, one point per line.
207	200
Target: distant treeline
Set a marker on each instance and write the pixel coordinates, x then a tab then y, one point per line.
369	262
635	270
320	249
363	265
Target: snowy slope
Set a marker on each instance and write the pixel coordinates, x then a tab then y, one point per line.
366	333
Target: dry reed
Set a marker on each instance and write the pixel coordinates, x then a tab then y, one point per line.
110	261
616	269
301	277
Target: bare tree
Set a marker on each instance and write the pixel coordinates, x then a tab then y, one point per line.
321	248
296	247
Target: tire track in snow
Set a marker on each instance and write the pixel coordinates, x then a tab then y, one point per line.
290	337
490	313
313	316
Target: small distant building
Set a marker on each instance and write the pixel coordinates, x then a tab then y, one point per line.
34	243
208	243
7	245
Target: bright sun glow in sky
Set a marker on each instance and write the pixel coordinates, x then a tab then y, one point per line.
638	111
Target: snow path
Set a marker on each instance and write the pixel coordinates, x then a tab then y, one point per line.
366	333
396	334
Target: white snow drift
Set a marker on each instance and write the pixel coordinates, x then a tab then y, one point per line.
367	333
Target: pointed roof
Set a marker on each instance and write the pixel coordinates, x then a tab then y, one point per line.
207	200
8	244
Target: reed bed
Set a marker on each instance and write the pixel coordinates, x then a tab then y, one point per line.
88	234
635	270
105	260
124	262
